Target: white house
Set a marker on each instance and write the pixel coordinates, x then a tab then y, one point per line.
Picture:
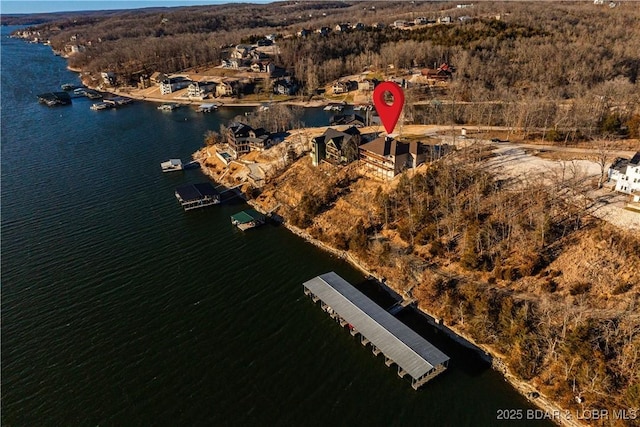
626	173
173	84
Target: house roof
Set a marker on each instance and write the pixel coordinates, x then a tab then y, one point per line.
239	129
345	119
620	165
635	160
260	131
337	136
386	146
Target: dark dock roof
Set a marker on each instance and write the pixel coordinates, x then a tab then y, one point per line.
193	192
412	353
55	98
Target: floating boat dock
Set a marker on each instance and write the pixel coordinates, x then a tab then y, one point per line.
168	107
194	196
247	219
206	108
54	98
171	165
399	344
106	104
101	106
118	101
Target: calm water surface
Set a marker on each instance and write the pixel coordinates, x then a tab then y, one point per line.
118	308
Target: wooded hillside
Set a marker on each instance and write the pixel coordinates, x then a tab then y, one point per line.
569	68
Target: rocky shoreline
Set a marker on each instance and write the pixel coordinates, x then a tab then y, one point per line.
552	411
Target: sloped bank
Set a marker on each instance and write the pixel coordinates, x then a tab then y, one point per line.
491	356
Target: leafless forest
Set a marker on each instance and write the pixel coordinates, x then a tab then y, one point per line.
568	69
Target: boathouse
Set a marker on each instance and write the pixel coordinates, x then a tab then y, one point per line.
399	344
194	196
247	219
54	98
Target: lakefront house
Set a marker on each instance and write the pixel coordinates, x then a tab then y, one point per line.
335	146
626	173
386	157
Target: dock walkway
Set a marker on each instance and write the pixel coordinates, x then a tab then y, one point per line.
399	344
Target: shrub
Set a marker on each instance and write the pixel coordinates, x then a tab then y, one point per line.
579	288
437	248
549	285
621	288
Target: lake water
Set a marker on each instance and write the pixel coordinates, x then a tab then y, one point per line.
118	308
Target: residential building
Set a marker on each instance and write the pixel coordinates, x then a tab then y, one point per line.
108	78
366	85
74	48
285	86
263	67
344	86
443	73
259	139
200	89
336	146
385	157
172	84
318	150
627	174
347	119
226	88
157	77
238	138
242	138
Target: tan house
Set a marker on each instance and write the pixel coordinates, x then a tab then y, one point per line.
226	88
263	67
366	85
385	157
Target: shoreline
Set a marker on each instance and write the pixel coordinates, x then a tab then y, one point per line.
221	102
553	411
559	415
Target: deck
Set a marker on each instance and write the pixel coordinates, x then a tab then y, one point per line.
399	344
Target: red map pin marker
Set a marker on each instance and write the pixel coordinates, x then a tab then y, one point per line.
389	113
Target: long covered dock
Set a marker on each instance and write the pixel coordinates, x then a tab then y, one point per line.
399	344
